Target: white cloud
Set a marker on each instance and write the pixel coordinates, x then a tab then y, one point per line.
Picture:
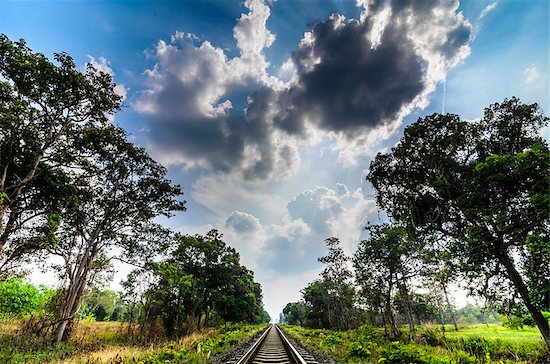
188	102
243	223
487	10
532	74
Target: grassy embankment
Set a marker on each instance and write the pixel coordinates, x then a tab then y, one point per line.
472	344
109	342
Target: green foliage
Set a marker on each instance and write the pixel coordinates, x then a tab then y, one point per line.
295	313
384	264
328	302
200	283
44	107
20	298
478	344
203	350
518	322
477	194
96	338
104	305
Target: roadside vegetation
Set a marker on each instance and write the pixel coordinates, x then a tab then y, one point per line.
75	195
114	342
468	206
427	345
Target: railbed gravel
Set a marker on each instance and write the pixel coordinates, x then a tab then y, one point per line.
234	355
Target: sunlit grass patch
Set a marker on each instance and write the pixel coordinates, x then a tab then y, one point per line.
493	331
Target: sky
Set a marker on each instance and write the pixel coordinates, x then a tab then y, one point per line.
268	113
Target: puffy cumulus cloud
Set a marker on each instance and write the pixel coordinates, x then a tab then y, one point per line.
353	79
312	216
188	103
243	223
358	77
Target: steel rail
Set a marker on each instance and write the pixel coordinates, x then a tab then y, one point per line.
254	348
290	348
273	347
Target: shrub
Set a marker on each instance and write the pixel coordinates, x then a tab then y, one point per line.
478	346
19	298
430	336
358	350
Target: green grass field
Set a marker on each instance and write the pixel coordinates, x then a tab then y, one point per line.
471	344
493	331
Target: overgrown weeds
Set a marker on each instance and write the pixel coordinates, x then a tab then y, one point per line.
429	345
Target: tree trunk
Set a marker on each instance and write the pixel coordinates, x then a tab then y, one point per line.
207	316
523	291
441	316
73	297
451	311
394	330
407	306
72	304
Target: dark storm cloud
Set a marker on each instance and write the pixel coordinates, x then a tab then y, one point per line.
345	82
217	142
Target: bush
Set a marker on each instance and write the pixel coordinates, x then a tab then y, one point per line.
478	346
518	322
19	298
431	336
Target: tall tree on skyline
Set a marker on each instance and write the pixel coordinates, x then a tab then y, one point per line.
44	109
480	188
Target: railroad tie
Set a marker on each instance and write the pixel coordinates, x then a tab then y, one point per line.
272	350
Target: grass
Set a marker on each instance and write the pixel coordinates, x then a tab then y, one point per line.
494	331
110	342
471	344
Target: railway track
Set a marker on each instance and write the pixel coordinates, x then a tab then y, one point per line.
274	347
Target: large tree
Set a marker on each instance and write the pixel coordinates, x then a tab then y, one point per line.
479	189
331	299
44	108
119	190
384	264
200	280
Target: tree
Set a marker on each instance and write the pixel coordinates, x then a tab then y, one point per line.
295	313
481	189
331	299
120	189
18	297
385	263
105	305
200	280
44	109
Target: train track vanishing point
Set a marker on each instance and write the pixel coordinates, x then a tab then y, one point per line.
274	347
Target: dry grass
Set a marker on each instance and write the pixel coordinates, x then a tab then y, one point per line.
119	352
10	326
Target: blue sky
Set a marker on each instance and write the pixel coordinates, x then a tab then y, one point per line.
268	113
